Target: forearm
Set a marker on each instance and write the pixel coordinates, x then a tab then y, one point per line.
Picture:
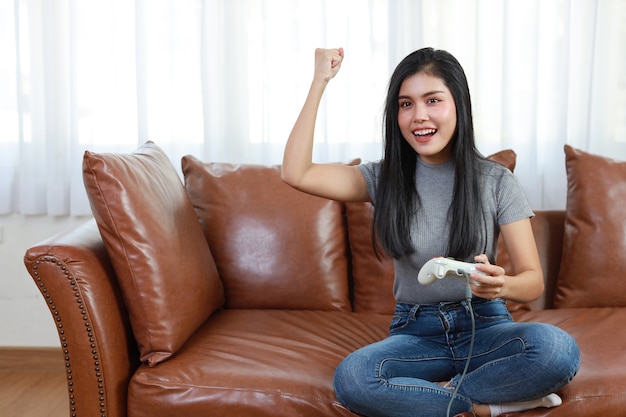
298	154
298	157
524	287
333	181
525	284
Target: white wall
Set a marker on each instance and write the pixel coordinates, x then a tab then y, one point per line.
26	320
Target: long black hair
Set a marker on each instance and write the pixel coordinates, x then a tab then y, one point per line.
396	199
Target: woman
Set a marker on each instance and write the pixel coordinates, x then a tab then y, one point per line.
435	195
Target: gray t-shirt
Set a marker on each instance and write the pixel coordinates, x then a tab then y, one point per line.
504	202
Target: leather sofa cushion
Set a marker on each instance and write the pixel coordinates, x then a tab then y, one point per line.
274	246
548	229
165	270
599	388
255	362
373	275
594	243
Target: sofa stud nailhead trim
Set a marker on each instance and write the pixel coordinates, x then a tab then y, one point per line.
62	336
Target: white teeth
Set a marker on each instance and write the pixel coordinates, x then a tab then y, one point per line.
425	132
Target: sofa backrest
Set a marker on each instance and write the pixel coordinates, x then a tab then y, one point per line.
295	251
274	246
548	229
372	274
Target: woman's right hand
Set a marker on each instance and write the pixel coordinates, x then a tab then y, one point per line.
327	63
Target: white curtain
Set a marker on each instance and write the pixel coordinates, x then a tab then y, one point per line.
224	80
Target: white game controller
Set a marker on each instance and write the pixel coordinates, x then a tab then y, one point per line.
439	268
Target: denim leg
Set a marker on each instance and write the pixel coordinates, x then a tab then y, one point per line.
397	376
427	344
392	378
519	362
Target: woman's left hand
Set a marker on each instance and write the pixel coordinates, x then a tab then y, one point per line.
491	284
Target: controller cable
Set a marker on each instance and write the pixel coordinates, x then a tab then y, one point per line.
468	298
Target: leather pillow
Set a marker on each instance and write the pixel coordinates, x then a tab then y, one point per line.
274	246
165	270
373	276
594	242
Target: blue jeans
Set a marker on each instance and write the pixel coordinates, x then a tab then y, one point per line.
429	343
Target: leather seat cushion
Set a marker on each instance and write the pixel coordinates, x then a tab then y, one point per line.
251	362
599	388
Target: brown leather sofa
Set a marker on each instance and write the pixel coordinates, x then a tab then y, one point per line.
248	311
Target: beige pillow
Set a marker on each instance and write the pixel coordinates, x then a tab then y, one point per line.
593	263
165	270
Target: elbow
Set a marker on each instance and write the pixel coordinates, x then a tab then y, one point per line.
533	296
288	177
284	175
541	286
538	288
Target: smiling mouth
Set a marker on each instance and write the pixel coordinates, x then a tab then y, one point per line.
424	134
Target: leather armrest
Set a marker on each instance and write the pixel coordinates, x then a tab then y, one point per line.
74	274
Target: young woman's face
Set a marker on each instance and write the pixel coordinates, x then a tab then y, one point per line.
427	117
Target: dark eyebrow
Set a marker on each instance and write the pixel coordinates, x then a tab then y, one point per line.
430	93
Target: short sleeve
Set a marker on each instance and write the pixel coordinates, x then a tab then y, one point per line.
371	173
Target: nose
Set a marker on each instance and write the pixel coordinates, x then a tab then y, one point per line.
421	113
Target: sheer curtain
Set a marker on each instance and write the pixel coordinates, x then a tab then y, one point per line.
224	80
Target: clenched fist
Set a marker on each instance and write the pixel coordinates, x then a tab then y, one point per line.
327	63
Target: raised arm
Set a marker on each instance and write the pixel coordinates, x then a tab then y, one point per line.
334	181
